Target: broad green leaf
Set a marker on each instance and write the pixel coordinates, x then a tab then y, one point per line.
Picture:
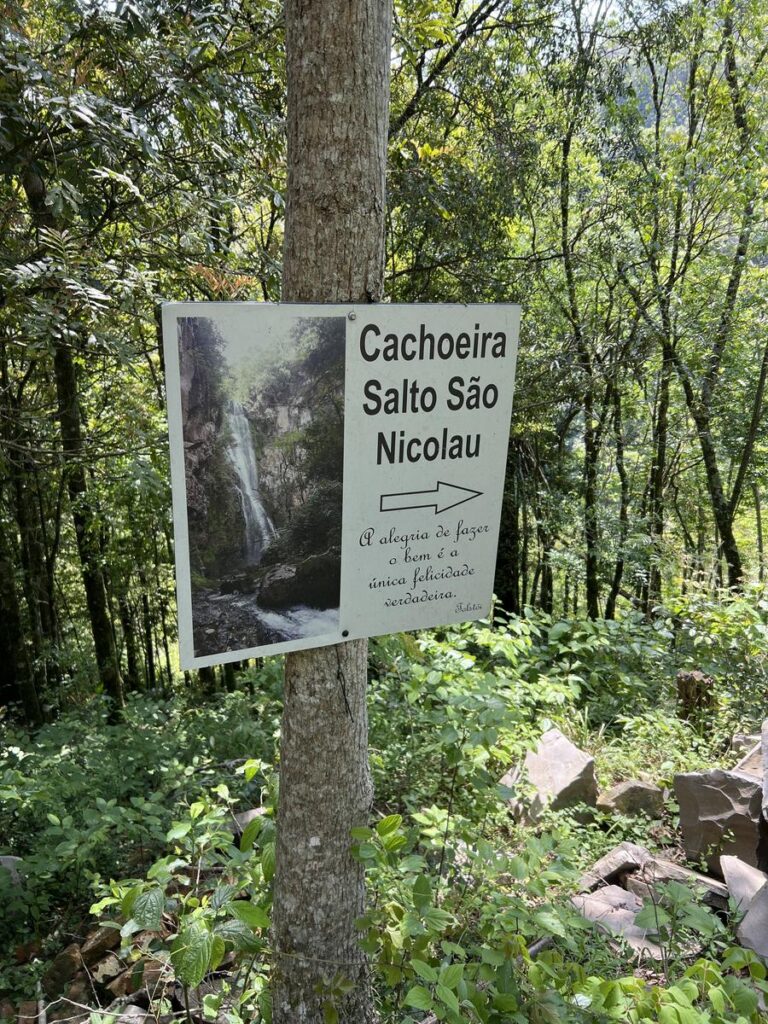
447	997
148	908
422	892
191	953
218	949
451	976
424	971
389	824
436	919
239	934
419	997
549	922
253	916
178	831
250	832
268	861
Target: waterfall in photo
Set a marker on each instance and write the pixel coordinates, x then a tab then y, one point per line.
259	529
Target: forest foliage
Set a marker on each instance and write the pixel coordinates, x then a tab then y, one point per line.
603	165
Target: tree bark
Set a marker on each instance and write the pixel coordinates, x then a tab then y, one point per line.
16	676
338	54
83	512
618	572
85	527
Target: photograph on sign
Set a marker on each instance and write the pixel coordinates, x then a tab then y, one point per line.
338	471
262	423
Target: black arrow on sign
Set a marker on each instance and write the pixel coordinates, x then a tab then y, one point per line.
440	498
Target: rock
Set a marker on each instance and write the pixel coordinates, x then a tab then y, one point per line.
27	1012
277	588
134	1015
614	910
752	762
614	866
13	866
63	969
743	742
124	984
764	745
633	797
105	970
315	581
720	812
655	871
97	943
743	881
148	973
561	774
238	583
753	930
80	990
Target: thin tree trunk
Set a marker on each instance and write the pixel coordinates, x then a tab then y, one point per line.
83	515
128	627
658	478
759	523
338	54
85	527
17	680
618	572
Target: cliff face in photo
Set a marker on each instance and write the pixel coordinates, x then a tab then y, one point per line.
298	421
216	528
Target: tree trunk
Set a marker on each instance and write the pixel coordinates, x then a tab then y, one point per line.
83	515
16	676
338	54
759	524
618	572
658	479
85	527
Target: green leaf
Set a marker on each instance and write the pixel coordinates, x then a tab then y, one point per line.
550	922
652	918
223	894
211	1005
447	997
148	909
268	862
127	902
389	824
451	976
253	916
218	949
557	631
422	892
178	831
250	832
191	953
437	920
393	841
424	971
419	997
239	934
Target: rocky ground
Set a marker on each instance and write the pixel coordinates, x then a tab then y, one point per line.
246	609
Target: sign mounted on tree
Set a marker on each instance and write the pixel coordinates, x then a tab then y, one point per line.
337	470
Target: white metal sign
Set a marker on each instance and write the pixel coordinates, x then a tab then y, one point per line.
337	470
